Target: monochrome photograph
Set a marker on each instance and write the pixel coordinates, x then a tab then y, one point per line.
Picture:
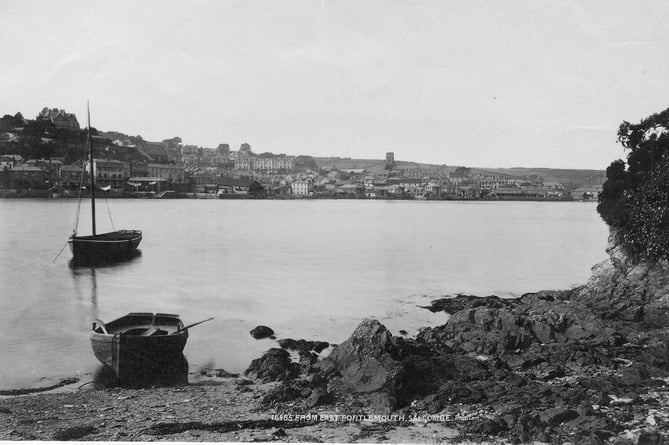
334	221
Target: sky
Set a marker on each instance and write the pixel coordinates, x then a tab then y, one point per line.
477	83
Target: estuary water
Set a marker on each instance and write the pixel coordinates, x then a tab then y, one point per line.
306	268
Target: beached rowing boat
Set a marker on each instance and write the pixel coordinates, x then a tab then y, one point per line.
138	343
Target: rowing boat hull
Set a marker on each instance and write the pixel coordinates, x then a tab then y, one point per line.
136	357
105	248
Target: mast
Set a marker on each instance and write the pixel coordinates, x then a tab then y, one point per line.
90	153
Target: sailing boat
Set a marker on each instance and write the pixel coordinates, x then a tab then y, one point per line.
106	247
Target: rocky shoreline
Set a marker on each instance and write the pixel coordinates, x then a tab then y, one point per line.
586	365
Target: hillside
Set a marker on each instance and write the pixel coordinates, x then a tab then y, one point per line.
375	164
573	178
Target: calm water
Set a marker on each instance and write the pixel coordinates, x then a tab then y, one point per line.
308	269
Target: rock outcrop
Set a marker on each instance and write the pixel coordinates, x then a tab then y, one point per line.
624	292
584	365
367	363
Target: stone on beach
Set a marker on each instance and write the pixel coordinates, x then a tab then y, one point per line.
260	332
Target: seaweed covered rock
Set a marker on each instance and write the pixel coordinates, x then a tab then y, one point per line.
274	365
390	372
303	345
491	328
367	363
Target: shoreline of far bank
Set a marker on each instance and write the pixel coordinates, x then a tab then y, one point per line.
207	196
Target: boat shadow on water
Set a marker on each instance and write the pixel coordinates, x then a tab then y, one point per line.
106	262
169	371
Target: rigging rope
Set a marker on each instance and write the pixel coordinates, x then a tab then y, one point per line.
61	251
76	219
109	212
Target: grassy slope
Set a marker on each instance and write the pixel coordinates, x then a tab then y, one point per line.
575	177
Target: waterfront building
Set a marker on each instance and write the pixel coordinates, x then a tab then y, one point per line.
515	192
586	193
240	186
27	176
433	188
73	176
50	166
356	190
206	175
302	187
493	183
109	172
7	162
146	184
173	174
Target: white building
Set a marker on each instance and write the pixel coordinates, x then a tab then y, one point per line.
302	187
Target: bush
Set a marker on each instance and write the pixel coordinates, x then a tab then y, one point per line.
635	196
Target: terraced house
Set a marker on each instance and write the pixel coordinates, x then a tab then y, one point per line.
271	162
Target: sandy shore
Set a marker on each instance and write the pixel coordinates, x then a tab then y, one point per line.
227	410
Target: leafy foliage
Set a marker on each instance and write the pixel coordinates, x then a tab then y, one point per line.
462	172
305	163
635	196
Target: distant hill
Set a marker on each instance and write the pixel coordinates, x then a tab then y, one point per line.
570	178
567	177
374	164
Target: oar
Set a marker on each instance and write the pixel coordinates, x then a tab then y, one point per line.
194	324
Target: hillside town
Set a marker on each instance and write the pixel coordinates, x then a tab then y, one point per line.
45	157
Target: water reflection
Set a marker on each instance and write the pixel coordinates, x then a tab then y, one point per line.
80	274
74	264
171	371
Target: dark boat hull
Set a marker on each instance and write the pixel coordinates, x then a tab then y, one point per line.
133	356
105	248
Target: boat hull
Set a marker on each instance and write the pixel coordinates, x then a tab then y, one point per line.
105	248
135	358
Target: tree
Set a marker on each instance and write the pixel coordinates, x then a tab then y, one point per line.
305	162
461	172
635	197
173	143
